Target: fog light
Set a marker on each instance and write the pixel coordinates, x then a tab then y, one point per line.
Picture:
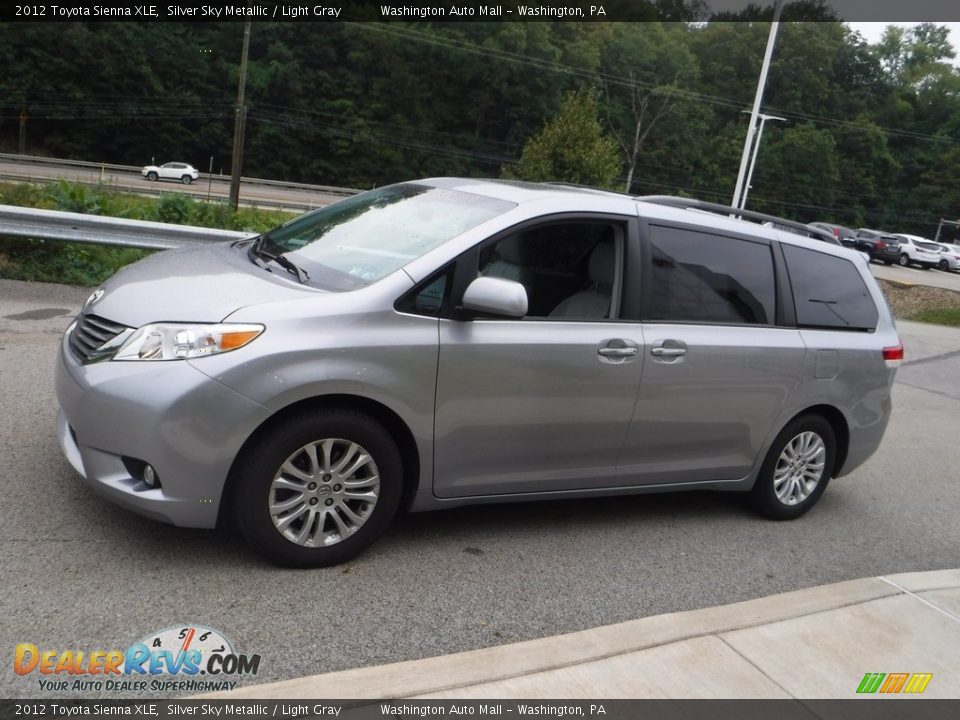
150	476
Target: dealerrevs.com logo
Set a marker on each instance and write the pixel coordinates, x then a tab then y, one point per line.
187	658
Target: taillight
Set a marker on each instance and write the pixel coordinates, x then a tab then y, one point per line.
893	356
836	232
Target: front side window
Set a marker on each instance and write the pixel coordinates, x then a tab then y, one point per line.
568	269
705	278
358	241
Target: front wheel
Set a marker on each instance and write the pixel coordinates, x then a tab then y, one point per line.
152	176
318	488
796	470
943	265
187	179
904	260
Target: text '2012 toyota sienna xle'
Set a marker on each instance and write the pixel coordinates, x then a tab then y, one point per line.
448	341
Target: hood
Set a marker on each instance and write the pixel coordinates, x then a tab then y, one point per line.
200	284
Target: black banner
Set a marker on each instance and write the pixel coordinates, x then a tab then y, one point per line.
865	709
478	11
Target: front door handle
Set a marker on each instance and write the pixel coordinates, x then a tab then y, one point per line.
617	351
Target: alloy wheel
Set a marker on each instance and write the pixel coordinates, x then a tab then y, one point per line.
324	492
799	468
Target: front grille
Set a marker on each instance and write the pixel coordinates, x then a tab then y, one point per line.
91	332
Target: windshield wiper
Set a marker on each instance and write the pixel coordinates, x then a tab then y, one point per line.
259	255
289	266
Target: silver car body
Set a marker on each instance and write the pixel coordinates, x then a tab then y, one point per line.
485	410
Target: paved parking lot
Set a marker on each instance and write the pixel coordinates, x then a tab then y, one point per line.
949	280
79	573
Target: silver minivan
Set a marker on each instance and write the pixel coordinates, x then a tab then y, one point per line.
455	341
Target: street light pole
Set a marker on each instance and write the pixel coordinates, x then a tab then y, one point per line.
756	151
239	122
757	100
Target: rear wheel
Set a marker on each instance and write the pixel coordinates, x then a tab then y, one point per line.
943	265
318	488
796	470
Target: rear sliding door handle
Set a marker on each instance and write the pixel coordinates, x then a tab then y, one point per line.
668	351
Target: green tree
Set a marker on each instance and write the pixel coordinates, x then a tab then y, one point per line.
571	148
798	174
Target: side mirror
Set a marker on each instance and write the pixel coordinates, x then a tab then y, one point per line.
496	296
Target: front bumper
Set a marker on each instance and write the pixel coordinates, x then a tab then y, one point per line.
188	426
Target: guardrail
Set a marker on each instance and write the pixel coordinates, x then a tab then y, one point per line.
77	227
30	159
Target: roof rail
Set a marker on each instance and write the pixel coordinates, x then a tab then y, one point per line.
691	204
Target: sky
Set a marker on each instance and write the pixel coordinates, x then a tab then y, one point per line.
873	31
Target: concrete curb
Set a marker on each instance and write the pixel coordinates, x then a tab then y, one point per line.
447	674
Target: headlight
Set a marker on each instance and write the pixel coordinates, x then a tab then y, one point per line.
178	341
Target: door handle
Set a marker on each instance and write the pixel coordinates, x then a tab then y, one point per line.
617	351
668	352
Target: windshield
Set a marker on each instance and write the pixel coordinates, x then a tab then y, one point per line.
358	241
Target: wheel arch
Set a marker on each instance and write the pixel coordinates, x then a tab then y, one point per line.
387	417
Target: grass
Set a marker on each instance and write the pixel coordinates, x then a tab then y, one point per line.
939	316
83	264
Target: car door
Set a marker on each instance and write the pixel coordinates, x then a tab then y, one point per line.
540	403
721	360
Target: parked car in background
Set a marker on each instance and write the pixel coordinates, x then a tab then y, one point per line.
179	171
846	236
949	256
918	250
879	245
453	341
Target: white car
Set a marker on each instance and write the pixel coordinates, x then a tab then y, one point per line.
919	251
180	171
949	256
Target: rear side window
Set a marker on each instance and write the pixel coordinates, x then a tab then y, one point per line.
706	278
829	291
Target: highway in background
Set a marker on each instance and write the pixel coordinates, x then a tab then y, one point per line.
295	197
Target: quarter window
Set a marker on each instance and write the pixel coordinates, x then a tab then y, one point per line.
705	278
828	291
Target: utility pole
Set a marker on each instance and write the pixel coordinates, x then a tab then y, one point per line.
756	151
239	122
757	100
23	132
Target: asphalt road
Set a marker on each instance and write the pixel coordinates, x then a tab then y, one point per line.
79	573
251	193
949	280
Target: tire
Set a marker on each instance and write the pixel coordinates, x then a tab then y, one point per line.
152	176
794	498
186	179
888	262
315	520
943	265
904	260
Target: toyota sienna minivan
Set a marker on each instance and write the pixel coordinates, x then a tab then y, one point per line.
454	341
